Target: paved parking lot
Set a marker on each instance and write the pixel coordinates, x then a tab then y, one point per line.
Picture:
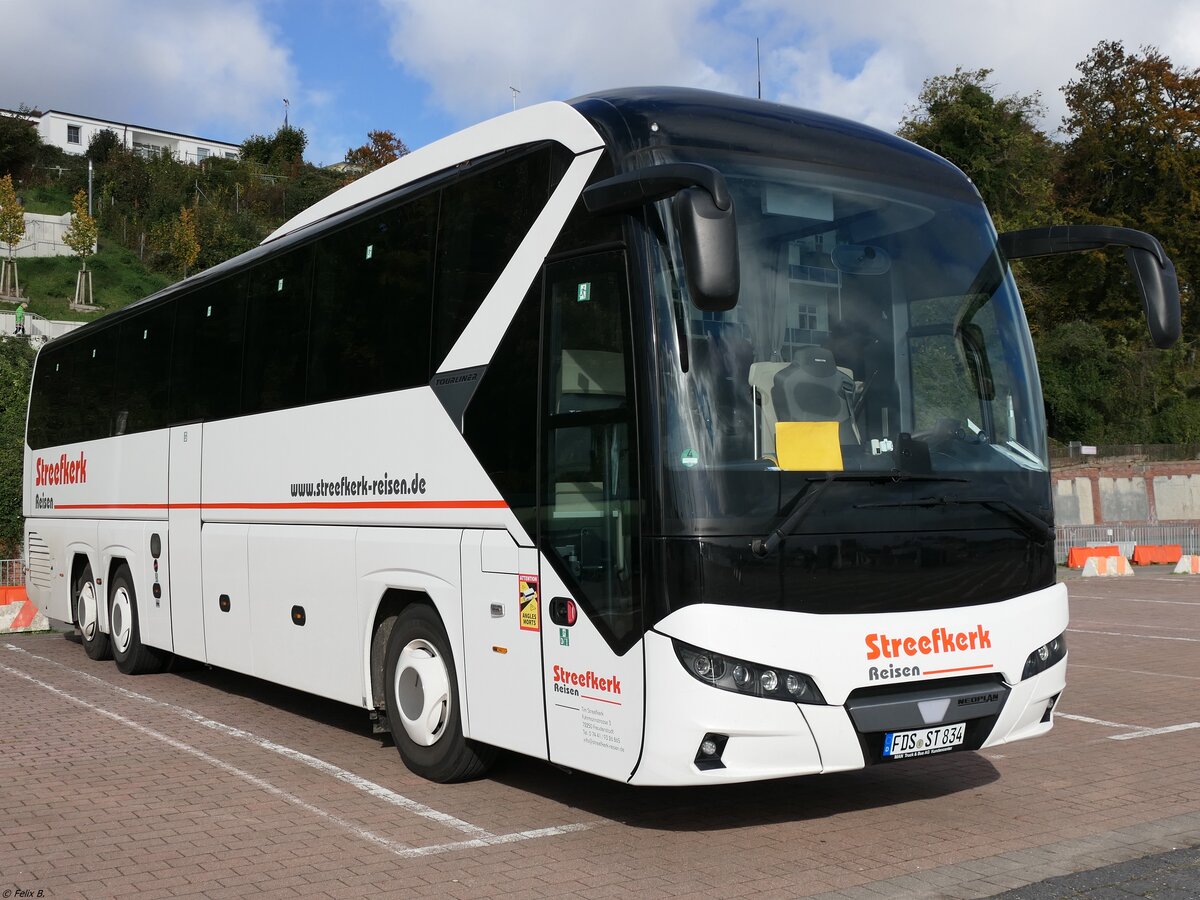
202	783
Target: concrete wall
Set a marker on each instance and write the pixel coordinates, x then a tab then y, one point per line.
43	237
1127	492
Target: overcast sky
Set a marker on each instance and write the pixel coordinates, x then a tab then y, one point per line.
424	68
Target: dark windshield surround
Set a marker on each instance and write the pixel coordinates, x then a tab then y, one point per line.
877	331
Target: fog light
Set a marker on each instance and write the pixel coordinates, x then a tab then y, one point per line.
708	756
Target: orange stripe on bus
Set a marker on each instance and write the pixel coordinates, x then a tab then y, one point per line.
959	669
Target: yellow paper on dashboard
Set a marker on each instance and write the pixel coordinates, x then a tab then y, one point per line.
808	446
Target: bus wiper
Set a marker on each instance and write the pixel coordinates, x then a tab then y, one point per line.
807	498
1033	526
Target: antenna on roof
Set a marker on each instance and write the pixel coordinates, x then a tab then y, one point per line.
515	91
285	112
758	60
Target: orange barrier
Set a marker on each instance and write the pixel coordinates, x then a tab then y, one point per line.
1151	554
1077	556
13	594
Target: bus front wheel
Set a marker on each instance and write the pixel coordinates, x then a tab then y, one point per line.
131	655
87	616
422	702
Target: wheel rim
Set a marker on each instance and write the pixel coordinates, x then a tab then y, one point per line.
422	692
122	619
85	610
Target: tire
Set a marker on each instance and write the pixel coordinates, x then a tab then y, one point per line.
131	655
421	699
85	605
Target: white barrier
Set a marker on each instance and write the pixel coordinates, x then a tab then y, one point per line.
1188	565
1107	565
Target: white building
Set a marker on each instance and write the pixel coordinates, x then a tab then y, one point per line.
71	132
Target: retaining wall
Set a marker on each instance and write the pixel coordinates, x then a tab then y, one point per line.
1127	491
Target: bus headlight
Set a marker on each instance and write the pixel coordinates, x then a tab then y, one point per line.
743	677
1045	656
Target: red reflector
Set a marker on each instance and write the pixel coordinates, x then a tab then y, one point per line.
572	613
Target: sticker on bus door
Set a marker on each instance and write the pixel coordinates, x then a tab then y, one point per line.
527	588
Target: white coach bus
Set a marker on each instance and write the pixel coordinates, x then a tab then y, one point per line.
668	436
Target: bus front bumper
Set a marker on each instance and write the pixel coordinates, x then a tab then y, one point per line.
760	739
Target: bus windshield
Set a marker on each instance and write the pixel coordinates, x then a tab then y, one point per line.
877	330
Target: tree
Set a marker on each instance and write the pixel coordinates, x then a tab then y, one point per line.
16	367
19	143
81	236
995	141
1133	159
185	246
279	153
177	240
102	145
381	148
12	229
82	233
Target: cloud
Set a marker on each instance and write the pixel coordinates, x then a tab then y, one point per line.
1030	46
472	52
862	59
214	68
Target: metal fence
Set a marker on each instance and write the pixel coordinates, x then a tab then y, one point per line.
1074	453
1124	536
12	573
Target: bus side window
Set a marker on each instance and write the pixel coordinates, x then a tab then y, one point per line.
277	300
589	499
484	218
142	378
371	304
206	363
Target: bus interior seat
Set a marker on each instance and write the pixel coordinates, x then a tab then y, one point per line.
813	389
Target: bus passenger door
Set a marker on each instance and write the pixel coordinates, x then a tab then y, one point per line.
183	541
591	612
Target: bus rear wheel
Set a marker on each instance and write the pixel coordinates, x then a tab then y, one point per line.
422	703
131	655
87	616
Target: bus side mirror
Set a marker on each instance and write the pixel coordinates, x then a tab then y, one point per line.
1159	288
708	238
704	218
1152	270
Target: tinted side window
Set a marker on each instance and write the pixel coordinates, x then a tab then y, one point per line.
371	304
51	393
500	424
91	403
141	386
277	300
206	366
484	218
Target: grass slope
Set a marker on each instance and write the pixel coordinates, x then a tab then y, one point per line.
118	279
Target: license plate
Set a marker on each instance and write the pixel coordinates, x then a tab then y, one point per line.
923	741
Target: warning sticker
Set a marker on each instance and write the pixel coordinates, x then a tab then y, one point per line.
527	586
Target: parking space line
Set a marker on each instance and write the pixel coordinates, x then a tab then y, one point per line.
480	836
1132	599
263	785
363	784
1076	665
1138	731
1152	637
